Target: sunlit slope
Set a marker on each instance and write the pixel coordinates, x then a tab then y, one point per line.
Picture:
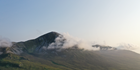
16	62
78	59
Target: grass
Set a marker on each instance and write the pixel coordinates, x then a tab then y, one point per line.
15	62
72	59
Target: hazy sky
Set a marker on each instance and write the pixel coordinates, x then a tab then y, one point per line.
109	21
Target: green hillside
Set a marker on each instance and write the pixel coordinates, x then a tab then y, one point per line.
72	59
31	55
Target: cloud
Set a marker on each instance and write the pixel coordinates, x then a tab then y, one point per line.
4	42
130	47
67	41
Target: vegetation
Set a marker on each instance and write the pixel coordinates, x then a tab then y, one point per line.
71	59
29	57
15	62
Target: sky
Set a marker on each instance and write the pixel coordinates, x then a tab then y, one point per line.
109	22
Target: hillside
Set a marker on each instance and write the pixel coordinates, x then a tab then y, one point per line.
72	59
29	55
34	45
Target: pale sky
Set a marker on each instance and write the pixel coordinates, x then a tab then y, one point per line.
109	21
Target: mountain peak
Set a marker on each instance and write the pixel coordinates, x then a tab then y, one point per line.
51	34
34	45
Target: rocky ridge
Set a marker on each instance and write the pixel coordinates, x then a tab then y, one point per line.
34	45
37	45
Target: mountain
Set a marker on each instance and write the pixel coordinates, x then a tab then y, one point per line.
29	55
34	45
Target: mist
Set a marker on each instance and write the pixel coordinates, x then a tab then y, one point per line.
5	42
65	40
131	47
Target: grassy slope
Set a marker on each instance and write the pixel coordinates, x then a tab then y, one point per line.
72	60
97	60
15	62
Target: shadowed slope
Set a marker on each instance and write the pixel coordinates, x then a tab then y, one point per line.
34	45
72	59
